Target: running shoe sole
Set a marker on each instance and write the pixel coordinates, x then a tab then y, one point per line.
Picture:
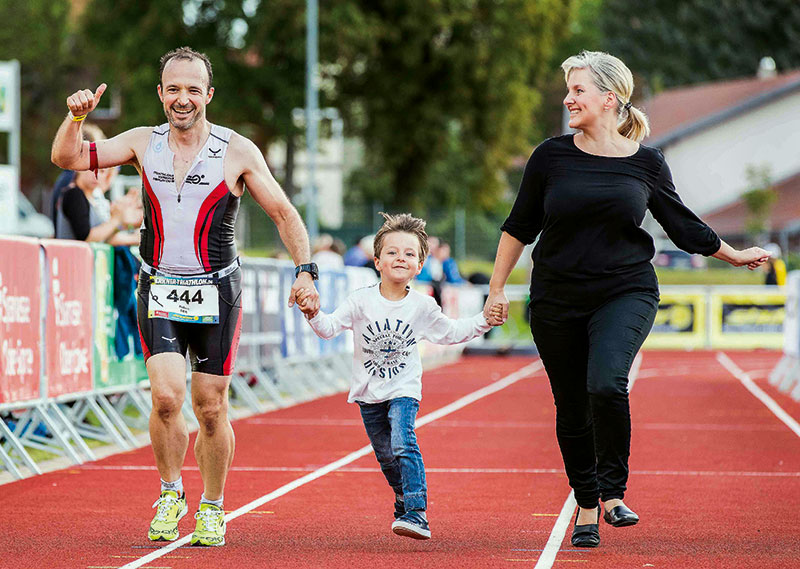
406	529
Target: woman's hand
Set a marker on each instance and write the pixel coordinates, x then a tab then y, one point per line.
753	257
496	297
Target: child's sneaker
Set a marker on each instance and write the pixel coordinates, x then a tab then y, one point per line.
171	509
412	524
399	507
210	529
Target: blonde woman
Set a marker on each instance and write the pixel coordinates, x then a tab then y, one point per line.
594	293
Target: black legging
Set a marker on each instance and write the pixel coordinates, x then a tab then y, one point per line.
587	360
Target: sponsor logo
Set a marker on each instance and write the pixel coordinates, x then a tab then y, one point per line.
158	147
215	153
196	179
163	177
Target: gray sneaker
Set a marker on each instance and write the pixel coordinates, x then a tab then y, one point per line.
412	524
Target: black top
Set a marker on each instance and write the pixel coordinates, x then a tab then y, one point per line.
589	210
77	210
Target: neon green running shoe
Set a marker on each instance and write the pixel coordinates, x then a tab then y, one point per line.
210	529
171	509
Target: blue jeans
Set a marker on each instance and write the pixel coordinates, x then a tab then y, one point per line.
390	428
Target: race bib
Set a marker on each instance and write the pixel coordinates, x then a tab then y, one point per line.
184	299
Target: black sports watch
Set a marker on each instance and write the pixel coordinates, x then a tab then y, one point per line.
310	268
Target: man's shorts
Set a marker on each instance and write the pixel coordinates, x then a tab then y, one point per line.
212	347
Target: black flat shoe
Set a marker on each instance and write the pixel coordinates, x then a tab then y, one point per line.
621	516
587	535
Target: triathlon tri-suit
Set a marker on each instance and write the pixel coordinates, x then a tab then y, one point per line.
190	231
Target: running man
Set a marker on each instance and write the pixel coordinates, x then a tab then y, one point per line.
193	175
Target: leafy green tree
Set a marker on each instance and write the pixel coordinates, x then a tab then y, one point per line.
413	73
678	42
36	33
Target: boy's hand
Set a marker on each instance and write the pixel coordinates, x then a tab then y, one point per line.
495	317
305	300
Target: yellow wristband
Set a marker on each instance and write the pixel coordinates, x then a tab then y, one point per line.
78	118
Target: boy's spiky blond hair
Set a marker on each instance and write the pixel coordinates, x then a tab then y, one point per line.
405	223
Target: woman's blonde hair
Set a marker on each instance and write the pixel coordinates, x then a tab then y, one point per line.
611	74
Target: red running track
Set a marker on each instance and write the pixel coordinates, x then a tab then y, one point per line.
715	476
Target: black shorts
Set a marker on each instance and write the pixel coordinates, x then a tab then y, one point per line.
212	347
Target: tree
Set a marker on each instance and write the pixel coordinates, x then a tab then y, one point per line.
679	42
36	33
411	74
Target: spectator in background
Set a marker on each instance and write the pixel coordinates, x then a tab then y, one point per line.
82	211
774	267
360	254
432	271
91	133
449	266
323	253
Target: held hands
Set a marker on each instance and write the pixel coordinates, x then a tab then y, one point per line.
495	317
305	302
305	295
83	102
496	308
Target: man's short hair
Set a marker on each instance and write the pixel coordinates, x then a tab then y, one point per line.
187	54
406	223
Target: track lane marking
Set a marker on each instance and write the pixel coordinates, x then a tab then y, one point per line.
759	393
444	470
553	545
490	389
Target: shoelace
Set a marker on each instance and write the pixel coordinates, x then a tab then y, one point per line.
164	503
211	519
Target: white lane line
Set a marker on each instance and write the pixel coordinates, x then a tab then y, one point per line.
759	393
548	556
443	470
522	373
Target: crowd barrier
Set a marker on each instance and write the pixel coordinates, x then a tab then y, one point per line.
62	384
719	317
786	375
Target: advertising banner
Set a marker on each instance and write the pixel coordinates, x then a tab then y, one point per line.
69	341
747	319
680	322
332	288
247	354
104	324
791	322
298	337
20	319
270	302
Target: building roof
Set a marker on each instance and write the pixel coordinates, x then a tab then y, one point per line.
731	219
676	113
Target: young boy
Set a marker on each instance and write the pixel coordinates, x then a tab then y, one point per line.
388	319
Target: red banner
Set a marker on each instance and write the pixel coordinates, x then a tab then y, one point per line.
20	319
69	272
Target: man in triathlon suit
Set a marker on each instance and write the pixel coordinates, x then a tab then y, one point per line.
193	175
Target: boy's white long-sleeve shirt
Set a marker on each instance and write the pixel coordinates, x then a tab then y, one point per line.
386	335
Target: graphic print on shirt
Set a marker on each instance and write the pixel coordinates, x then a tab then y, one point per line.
388	346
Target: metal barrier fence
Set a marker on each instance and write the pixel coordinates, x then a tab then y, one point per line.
62	384
786	375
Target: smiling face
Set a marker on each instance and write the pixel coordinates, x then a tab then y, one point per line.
584	101
184	92
399	259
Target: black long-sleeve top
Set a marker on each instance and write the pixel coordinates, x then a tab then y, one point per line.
589	210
